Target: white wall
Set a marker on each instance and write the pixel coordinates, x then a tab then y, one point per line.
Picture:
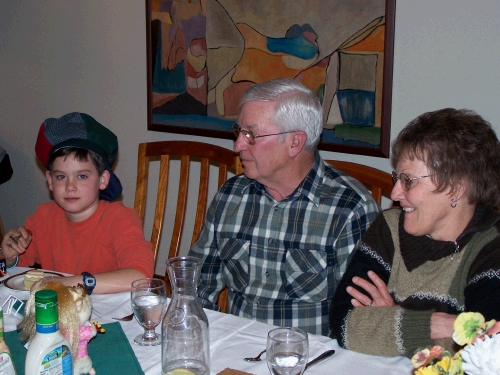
59	56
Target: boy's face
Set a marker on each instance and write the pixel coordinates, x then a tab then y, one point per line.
76	186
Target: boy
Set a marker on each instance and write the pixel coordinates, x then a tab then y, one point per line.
82	231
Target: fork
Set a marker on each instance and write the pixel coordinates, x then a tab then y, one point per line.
125	318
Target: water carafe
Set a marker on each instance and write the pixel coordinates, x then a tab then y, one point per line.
184	331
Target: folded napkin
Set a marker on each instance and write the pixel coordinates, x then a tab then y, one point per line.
110	352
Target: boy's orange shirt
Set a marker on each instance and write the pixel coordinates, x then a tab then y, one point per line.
111	239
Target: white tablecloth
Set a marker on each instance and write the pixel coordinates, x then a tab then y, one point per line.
231	339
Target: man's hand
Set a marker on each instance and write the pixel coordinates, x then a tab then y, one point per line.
379	294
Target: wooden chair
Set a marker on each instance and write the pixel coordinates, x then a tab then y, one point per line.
205	155
379	182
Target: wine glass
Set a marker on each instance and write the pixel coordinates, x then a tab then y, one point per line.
287	351
149	300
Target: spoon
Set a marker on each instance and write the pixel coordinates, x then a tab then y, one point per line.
126	318
255	359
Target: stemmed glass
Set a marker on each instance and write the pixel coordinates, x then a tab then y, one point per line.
149	300
287	351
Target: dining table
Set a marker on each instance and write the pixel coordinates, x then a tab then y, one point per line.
232	338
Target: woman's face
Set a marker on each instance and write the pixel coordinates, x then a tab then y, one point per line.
426	212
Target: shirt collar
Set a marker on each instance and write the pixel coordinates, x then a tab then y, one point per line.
310	187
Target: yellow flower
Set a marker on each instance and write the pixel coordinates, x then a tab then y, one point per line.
466	326
429	370
446	366
456	365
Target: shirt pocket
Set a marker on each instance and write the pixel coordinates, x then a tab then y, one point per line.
307	274
234	253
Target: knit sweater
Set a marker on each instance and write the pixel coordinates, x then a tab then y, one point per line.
423	276
110	239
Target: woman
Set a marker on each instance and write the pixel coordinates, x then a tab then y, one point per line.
418	267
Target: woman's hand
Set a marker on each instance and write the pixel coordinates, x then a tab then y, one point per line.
442	325
379	294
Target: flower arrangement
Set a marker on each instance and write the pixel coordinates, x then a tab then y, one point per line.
480	355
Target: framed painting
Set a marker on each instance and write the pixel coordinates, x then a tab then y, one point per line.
202	55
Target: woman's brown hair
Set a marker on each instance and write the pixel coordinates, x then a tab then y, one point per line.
456	145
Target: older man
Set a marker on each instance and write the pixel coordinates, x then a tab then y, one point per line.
279	235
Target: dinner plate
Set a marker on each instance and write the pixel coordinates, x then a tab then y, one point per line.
16	282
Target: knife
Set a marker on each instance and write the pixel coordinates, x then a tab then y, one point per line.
319	358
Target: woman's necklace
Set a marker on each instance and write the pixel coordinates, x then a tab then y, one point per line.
457	250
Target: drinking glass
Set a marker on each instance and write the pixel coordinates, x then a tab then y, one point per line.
149	300
287	351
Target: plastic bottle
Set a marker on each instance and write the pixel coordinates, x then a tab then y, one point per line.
49	352
6	364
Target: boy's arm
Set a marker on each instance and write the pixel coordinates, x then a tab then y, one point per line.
108	282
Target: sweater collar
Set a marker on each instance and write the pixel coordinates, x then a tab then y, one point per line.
417	250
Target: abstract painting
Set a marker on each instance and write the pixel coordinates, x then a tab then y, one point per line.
202	55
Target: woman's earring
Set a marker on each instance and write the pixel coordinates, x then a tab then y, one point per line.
453	203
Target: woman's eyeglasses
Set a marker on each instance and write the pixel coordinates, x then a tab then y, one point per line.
406	182
249	137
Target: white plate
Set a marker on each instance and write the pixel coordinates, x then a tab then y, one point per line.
16	282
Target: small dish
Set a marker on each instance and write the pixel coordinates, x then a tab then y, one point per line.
16	282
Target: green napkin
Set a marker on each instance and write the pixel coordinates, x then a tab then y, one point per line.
110	352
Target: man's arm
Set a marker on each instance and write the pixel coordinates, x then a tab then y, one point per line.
355	227
205	248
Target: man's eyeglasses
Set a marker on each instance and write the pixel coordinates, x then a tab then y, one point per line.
249	137
406	181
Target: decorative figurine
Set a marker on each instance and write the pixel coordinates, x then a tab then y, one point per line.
75	310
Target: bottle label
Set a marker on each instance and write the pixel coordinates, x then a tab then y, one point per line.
57	362
6	364
47	328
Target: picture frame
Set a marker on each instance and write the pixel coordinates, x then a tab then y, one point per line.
201	56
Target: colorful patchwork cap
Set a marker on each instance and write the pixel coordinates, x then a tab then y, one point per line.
82	131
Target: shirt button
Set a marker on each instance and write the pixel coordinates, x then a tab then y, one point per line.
267	273
258	303
270	240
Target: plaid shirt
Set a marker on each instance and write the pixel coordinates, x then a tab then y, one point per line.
282	260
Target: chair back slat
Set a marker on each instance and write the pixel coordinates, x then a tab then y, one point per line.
206	156
202	198
161	200
379	182
180	211
141	182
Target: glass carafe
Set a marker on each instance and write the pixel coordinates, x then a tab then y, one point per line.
184	331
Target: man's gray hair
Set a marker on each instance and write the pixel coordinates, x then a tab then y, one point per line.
297	108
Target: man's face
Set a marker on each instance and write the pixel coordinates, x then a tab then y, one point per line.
264	160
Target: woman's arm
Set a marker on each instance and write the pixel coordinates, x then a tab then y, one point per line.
385	329
350	316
